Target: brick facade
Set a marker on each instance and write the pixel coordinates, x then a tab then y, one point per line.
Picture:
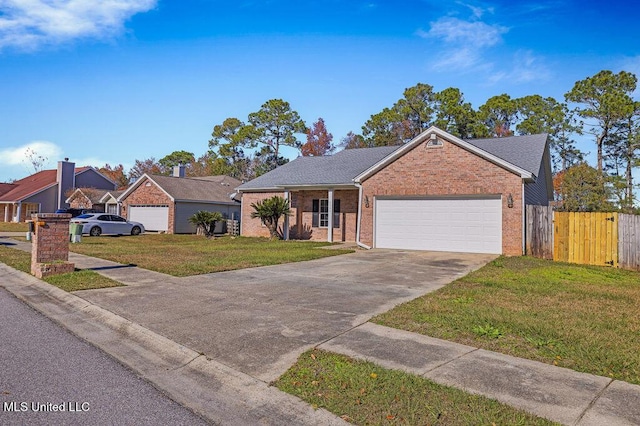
50	245
148	193
253	227
446	170
8	211
301	219
80	201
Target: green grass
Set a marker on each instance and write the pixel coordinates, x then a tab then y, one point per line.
13	227
580	317
72	281
184	255
365	394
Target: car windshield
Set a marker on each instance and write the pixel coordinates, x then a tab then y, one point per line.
85	216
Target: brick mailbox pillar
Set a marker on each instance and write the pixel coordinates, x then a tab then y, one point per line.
50	245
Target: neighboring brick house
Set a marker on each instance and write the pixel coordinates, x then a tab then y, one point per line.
43	192
165	203
437	192
97	199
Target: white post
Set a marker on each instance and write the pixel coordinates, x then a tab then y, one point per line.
19	211
6	212
285	226
330	221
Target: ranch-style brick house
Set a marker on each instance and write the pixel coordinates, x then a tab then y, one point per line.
96	199
437	192
165	203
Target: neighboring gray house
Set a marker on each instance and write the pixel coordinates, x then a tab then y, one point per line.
437	192
165	203
45	191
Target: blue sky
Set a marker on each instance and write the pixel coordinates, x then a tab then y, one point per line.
115	81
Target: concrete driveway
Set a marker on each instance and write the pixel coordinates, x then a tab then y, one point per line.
259	320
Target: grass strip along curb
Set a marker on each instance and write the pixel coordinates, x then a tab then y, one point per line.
574	316
363	393
73	281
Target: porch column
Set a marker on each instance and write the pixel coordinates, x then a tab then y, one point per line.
330	217
19	211
6	212
285	225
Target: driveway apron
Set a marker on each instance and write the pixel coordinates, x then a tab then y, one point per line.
259	320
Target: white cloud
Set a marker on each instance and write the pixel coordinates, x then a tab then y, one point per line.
463	42
467	33
526	68
467	46
461	59
15	162
15	156
28	24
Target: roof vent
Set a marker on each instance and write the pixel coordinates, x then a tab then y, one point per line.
434	141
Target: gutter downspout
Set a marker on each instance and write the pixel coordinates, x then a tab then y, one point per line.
524	221
358	242
285	222
241	213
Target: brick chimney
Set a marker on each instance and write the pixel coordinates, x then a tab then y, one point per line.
66	179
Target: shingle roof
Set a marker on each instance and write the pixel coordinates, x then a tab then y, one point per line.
337	169
6	187
523	151
114	194
207	189
33	184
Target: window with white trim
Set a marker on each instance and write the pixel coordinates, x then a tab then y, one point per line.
321	213
324	213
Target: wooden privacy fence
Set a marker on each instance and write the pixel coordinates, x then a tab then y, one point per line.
611	239
539	231
629	241
586	238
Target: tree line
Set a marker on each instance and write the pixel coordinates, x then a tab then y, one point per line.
601	107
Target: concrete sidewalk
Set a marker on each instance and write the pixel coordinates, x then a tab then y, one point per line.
555	393
216	392
227	395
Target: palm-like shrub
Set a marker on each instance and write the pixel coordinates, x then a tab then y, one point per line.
269	211
206	221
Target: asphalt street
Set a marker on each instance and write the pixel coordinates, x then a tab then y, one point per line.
49	376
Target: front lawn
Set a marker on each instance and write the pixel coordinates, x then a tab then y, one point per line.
13	227
580	317
78	280
184	255
366	394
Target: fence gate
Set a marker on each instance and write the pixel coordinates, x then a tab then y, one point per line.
586	238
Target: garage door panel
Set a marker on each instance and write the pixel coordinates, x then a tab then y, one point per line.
461	225
153	218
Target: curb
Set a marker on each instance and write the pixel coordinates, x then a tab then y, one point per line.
209	388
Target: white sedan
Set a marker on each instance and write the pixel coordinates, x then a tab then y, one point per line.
96	224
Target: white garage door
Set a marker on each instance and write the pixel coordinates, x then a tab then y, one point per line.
154	218
470	225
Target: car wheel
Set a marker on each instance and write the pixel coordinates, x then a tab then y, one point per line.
136	230
95	231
